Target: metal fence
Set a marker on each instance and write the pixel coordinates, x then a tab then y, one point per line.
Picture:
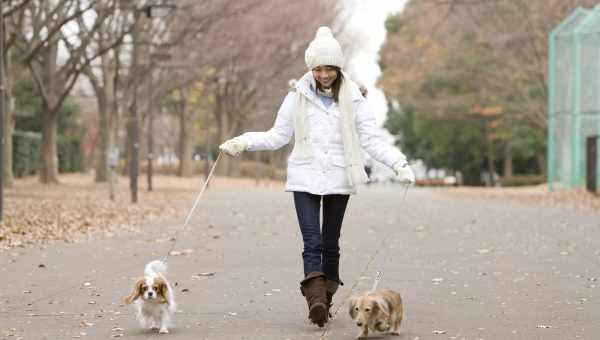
574	98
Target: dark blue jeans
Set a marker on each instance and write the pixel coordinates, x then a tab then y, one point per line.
321	244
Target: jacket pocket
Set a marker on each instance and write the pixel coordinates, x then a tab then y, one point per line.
299	160
339	161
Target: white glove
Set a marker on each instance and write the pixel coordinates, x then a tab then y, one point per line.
404	172
234	147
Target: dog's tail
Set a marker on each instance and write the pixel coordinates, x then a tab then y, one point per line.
156	267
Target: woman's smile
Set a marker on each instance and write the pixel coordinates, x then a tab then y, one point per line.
325	75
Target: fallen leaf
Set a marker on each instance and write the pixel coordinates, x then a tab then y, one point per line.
35	213
85	323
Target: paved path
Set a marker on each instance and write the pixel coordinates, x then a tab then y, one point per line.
467	269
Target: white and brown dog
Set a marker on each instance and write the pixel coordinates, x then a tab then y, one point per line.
379	311
153	298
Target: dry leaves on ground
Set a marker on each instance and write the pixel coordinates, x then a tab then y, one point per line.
36	213
578	198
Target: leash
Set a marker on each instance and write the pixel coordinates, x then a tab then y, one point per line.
376	282
378	276
164	259
405	191
326	331
189	215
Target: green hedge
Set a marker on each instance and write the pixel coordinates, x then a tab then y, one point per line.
27	148
522	180
26	152
248	169
70	157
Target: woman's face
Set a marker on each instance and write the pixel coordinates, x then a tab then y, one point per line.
325	75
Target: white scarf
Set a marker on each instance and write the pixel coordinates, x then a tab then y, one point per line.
352	150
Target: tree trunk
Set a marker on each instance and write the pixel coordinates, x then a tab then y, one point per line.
102	152
224	168
49	154
541	160
508	161
113	137
113	119
491	163
186	144
258	167
277	157
9	127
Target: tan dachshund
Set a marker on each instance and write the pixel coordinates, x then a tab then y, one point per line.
379	311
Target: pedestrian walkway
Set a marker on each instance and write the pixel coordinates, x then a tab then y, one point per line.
466	268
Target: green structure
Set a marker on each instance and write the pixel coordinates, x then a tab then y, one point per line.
574	97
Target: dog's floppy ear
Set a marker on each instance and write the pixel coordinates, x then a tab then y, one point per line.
163	289
352	306
136	292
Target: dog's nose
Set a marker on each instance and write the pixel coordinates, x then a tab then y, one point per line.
150	294
359	324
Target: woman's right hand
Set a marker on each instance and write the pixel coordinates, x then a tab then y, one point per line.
234	147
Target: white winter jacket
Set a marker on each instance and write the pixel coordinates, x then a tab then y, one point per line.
324	173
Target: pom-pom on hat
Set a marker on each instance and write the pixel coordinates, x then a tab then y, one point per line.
324	50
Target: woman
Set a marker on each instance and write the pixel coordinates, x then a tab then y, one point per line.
330	121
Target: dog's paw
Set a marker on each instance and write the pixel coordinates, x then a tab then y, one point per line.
163	330
382	326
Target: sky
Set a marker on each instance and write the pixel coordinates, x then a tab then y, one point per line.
369	18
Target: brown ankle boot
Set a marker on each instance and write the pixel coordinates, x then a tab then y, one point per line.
314	288
332	287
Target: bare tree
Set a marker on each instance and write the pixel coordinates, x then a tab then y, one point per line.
8	73
247	70
104	76
239	77
14	14
48	33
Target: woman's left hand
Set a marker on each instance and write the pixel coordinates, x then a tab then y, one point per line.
404	173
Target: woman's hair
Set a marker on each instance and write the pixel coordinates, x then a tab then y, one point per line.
337	83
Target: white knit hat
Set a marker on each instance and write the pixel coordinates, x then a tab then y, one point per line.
324	50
